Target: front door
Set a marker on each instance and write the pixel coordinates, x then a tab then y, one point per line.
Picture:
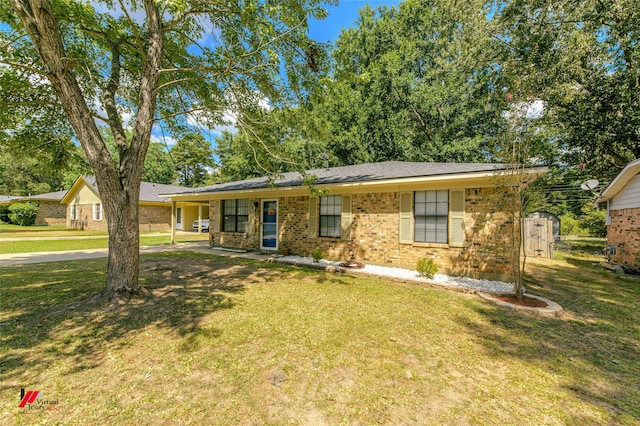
178	217
269	225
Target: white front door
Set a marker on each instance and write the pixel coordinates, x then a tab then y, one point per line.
178	217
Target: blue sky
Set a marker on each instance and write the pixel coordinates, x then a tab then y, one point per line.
342	16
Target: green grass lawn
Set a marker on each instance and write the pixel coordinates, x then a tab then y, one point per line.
16	231
222	341
33	246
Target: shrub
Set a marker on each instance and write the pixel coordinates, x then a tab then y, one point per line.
23	214
592	221
569	225
318	254
427	267
4	213
638	259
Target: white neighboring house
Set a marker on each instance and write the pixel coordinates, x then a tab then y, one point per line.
623	215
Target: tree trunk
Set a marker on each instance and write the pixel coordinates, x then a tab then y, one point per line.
119	188
121	214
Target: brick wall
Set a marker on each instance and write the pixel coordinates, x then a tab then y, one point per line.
85	219
150	218
52	213
375	235
237	240
625	229
154	218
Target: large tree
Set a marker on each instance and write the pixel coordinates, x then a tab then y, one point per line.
135	64
414	82
582	57
193	157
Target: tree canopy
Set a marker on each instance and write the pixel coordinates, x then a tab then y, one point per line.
583	59
139	64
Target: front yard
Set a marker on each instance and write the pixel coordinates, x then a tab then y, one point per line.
32	239
222	341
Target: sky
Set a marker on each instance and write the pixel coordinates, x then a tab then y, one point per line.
342	16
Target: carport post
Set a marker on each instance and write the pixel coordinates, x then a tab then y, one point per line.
199	218
173	222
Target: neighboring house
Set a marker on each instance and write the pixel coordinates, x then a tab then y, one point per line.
50	211
5	199
623	215
84	206
390	213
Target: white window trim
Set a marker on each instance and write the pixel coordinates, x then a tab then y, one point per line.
97	212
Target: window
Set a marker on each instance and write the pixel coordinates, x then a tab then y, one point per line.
235	215
74	212
330	212
431	216
97	212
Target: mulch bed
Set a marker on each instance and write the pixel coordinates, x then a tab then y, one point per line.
526	301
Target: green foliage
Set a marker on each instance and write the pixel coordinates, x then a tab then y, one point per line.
638	259
582	58
589	223
23	214
193	156
158	165
414	83
4	213
427	267
318	254
569	225
592	220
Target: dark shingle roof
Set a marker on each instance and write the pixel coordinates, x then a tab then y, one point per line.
49	196
56	196
351	174
149	192
4	198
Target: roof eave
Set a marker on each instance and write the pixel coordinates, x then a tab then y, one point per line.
620	181
536	171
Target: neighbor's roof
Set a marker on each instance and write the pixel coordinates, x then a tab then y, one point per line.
632	169
7	198
56	196
149	192
370	172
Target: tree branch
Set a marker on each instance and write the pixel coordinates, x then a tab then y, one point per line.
109	101
165	117
134	29
25	103
25	67
134	158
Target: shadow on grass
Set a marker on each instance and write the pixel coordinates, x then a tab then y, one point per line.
594	349
49	308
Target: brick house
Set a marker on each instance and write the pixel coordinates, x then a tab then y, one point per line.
50	211
390	213
622	197
84	206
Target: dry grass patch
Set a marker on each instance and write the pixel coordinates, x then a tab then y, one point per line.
222	341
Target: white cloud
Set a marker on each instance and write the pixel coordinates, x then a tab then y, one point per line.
168	141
